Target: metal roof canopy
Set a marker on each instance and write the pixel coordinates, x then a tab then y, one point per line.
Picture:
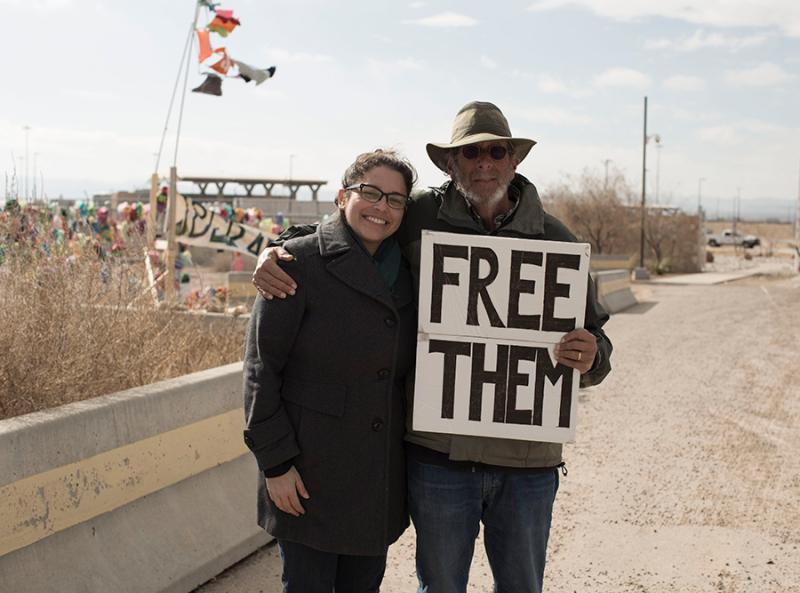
250	183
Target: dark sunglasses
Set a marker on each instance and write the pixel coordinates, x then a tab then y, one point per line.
373	194
473	151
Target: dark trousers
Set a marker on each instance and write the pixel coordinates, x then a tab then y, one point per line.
306	570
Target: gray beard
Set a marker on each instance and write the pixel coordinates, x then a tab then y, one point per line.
478	200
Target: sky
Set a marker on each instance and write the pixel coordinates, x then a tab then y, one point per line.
93	79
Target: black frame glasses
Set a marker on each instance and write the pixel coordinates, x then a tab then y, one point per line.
395	200
472	151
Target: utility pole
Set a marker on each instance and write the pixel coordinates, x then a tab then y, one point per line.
640	273
605	183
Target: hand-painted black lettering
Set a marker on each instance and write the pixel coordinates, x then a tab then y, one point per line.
440	277
546	370
553	290
480	376
201	215
477	285
450	350
517	286
255	245
235	236
517	379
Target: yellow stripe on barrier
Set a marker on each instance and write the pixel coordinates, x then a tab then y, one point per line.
613	286
38	506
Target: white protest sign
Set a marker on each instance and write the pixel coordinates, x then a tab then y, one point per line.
490	311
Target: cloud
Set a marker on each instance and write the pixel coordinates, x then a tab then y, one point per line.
549	84
781	14
445	19
701	40
554	116
741	131
383	69
417	4
37	5
622	77
681	83
719	134
285	56
552	85
765	74
488	62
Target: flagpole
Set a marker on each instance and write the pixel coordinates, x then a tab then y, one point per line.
173	173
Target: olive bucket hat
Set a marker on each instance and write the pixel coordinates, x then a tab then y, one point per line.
478	122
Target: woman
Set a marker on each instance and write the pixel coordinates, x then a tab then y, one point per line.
324	380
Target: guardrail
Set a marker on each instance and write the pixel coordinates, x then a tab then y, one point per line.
149	490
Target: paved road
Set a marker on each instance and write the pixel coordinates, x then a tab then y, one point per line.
686	473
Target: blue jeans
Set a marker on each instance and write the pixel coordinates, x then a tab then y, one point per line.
306	570
447	506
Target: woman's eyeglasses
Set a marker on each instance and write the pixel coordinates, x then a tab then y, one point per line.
373	194
473	151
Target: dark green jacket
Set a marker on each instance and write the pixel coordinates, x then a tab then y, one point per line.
444	209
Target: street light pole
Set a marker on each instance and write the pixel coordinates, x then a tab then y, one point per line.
35	159
699	190
658	170
605	183
27	129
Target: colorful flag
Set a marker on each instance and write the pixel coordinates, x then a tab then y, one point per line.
249	73
204	43
224	64
212	85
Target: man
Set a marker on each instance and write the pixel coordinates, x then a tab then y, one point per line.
457	482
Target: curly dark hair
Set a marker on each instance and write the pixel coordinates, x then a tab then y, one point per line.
380	157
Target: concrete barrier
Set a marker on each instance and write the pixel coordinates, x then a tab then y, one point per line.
240	287
148	490
612	262
614	289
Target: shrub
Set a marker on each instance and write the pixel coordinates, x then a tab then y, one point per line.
75	326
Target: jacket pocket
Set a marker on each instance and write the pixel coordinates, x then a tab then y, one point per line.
326	398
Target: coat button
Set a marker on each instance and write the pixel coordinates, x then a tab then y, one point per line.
377	424
390	322
248	441
384	373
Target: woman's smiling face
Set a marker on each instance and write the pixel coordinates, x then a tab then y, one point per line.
373	222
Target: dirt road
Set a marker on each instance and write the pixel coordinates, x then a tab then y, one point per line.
685	476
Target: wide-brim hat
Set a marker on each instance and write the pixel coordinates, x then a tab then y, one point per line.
478	121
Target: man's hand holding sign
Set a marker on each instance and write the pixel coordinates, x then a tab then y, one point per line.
500	344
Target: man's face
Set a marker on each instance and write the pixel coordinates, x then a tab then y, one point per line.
479	174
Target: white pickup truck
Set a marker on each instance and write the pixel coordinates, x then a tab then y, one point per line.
728	237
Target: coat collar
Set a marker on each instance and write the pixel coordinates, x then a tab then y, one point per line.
349	262
528	218
334	238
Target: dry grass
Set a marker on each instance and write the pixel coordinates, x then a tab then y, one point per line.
69	331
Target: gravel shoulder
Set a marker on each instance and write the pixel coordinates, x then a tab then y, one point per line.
685	475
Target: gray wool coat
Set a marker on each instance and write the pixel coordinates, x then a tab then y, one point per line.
324	376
